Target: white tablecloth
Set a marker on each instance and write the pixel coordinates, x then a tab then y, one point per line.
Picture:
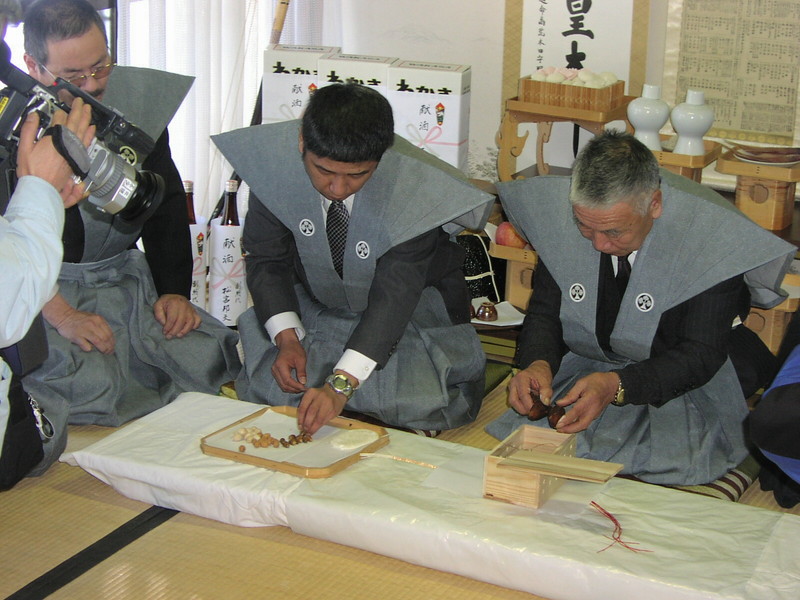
697	547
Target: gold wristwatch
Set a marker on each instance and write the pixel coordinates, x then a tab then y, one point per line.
619	397
341	385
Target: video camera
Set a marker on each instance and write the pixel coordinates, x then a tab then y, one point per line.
116	187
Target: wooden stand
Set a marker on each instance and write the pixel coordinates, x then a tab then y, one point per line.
511	144
764	192
687	166
519	273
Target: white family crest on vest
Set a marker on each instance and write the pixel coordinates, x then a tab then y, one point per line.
362	250
577	292
306	227
645	302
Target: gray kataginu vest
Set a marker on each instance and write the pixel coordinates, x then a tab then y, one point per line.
148	99
689	249
410	193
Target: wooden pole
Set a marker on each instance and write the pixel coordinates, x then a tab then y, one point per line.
277	22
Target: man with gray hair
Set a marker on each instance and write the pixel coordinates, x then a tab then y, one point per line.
643	276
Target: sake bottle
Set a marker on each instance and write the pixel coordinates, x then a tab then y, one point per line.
188	188
230	215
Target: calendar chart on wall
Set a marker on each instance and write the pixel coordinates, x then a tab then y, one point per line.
745	56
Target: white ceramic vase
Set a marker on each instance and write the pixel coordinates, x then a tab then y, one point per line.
691	120
648	115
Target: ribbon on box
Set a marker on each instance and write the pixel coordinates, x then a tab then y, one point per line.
198	266
218	271
286	112
413	136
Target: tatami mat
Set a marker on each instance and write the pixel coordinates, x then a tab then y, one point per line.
189	557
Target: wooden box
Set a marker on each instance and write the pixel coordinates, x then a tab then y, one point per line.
519	273
570	96
518	485
768	202
519	284
770	325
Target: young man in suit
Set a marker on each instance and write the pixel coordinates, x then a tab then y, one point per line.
642	366
384	326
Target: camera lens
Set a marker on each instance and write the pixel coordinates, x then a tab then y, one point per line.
147	197
117	188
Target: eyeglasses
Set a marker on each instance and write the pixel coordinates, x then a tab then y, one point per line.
100	72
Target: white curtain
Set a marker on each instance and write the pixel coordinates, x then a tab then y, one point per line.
221	43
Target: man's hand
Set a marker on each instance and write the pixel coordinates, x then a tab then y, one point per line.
318	406
43	160
590	395
291	360
176	315
536	380
86	330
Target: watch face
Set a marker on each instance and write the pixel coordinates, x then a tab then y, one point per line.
619	399
340	384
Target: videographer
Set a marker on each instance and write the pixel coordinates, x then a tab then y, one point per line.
123	337
30	258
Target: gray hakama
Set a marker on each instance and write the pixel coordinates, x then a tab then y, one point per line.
146	370
699	241
434	379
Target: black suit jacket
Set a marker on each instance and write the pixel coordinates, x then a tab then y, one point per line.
428	260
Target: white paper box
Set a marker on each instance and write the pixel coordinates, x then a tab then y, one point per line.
371	71
431	107
290	72
227	288
197	294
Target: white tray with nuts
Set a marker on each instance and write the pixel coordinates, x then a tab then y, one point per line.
269	438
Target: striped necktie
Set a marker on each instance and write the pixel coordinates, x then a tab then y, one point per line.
336	228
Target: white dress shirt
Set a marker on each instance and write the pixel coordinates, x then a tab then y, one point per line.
352	362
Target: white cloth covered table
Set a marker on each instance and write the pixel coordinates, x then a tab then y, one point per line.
698	547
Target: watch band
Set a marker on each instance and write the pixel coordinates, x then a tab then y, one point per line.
619	397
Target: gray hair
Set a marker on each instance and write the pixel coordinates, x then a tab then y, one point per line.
614	167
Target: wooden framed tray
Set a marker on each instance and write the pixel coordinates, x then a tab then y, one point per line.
328	453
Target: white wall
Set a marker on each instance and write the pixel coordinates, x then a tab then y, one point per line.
464	32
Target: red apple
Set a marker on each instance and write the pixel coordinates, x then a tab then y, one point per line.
507	236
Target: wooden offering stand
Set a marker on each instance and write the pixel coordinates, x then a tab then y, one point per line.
546	103
688	166
764	192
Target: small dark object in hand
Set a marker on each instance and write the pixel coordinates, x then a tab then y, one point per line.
539	410
555	414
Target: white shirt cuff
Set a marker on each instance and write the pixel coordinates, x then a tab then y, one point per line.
282	321
355	363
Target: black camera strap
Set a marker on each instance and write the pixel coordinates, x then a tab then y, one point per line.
71	148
